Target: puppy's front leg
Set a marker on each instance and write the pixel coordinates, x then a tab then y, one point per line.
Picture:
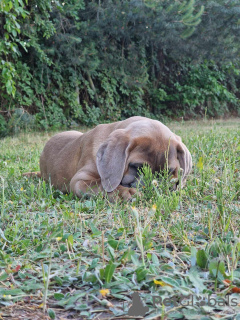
122	193
85	183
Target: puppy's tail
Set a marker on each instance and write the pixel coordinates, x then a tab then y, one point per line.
32	174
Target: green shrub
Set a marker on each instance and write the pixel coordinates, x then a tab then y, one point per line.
3	127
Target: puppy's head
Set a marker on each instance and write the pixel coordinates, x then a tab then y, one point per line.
122	154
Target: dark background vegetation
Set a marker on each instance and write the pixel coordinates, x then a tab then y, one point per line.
85	62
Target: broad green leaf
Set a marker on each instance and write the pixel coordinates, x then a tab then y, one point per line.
194	277
155	259
11	292
94	263
141	273
58	296
109	271
217	268
127	255
113	243
51	314
4	276
135	260
111	253
193	256
101	273
170	281
202	259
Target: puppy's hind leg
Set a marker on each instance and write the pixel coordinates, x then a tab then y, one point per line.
32	174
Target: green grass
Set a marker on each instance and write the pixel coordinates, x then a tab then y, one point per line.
165	245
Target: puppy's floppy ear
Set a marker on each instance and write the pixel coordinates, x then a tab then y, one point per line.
185	160
111	159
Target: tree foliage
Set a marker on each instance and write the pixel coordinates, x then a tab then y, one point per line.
92	61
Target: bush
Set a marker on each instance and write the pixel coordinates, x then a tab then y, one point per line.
21	120
3	127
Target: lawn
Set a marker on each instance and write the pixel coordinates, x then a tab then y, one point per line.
65	258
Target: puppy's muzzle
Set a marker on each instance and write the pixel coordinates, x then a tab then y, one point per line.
133	177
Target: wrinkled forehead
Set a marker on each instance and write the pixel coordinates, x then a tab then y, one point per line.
150	128
158	155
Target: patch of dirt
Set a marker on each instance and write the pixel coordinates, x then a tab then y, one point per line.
31	311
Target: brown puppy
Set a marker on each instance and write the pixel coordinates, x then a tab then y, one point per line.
107	157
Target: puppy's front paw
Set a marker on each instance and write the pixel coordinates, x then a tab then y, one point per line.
121	192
